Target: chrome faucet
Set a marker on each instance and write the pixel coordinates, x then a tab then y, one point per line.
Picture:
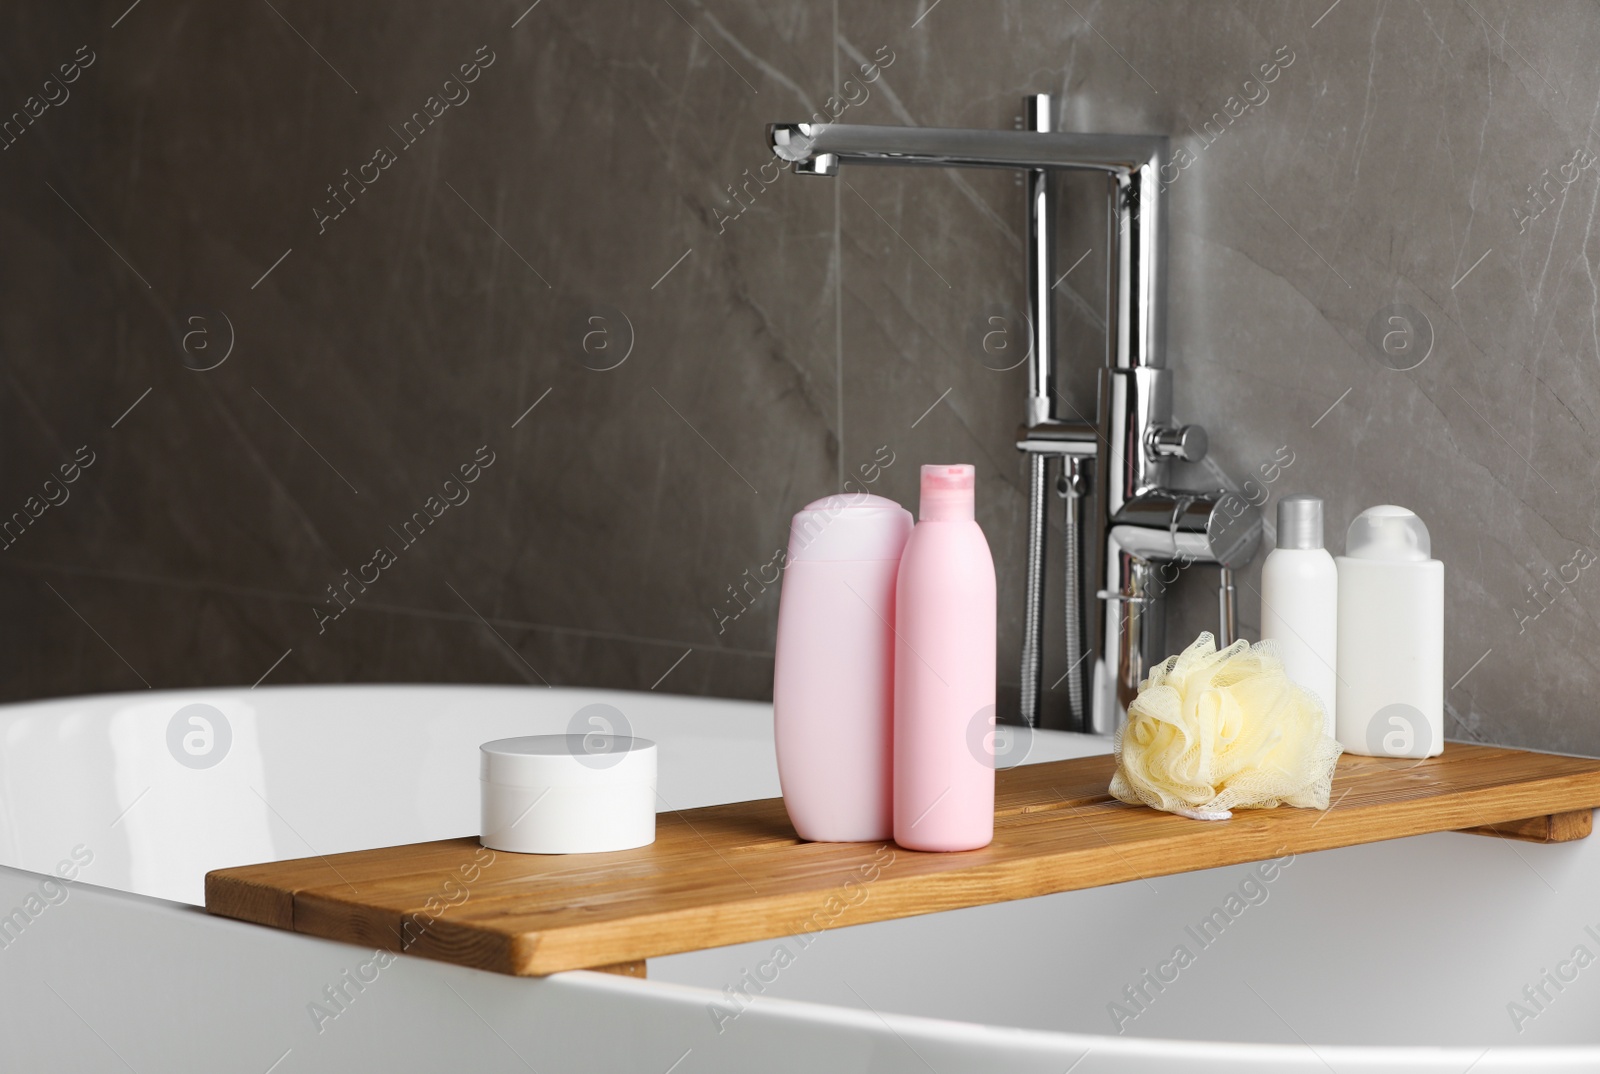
1122	555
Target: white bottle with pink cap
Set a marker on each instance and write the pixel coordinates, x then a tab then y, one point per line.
833	680
944	672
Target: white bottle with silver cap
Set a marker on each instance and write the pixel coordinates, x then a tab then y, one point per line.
1391	638
1300	601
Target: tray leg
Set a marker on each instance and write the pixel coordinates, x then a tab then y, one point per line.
1553	828
623	969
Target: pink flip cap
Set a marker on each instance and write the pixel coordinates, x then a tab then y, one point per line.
947	493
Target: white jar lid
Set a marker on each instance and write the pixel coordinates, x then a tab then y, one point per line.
568	761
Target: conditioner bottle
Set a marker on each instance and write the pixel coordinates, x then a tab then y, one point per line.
832	701
944	673
1391	638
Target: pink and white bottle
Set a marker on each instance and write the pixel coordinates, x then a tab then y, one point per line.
944	673
832	689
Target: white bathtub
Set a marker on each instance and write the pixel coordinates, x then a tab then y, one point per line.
1398	956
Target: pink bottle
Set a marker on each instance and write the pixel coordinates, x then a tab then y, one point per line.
944	682
833	678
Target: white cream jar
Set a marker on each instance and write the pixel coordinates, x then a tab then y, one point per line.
568	794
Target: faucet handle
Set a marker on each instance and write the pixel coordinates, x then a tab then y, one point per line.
1186	442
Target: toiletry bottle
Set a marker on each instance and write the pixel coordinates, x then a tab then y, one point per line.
833	679
1300	602
944	673
1391	638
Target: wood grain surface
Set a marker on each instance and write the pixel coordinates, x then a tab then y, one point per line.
735	873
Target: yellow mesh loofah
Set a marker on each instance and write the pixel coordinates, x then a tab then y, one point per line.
1213	731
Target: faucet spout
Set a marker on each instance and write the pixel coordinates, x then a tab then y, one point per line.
1132	163
955	147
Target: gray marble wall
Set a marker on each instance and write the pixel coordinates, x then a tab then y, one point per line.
571	279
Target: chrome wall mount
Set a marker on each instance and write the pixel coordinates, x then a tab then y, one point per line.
1128	532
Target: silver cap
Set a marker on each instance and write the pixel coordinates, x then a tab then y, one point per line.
1300	521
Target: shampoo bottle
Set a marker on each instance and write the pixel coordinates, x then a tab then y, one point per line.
1391	638
1300	602
832	689
944	673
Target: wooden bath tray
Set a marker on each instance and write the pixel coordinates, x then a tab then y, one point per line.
735	873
